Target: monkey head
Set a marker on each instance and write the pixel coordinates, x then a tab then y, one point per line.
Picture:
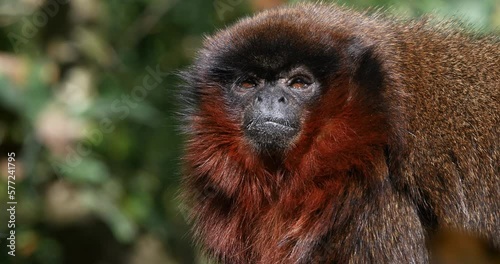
270	77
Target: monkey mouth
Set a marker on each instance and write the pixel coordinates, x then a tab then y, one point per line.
270	134
280	125
270	124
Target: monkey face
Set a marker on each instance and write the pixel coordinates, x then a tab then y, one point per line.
273	107
269	82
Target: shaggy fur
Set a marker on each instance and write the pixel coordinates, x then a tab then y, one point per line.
404	140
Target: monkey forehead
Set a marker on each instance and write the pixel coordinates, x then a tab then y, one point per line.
322	25
273	41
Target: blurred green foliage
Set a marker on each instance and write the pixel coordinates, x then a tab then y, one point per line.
94	129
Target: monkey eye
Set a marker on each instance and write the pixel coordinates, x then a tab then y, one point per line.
299	82
248	83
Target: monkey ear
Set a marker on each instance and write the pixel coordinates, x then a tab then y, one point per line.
366	67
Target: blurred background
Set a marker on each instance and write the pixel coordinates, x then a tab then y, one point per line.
87	106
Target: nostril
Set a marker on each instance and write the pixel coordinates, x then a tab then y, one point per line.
282	100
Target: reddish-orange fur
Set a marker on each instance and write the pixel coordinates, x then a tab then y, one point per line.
271	215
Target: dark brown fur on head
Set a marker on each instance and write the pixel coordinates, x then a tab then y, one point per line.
361	181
